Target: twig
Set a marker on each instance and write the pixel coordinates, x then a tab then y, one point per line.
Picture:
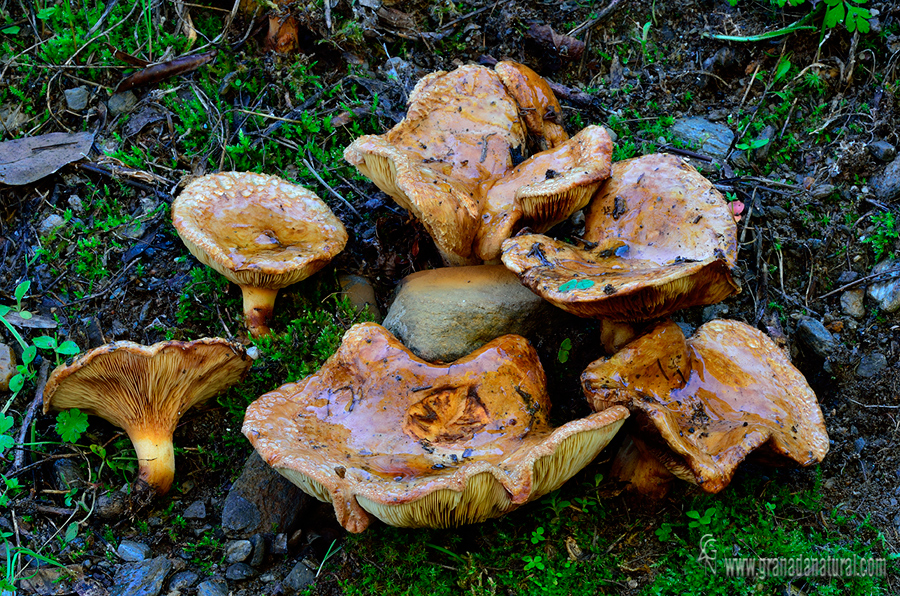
873	405
39	463
600	16
888	273
331	190
464	17
38	400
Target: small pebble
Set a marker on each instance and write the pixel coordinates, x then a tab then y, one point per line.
239	572
77	98
196	510
213	587
133	552
238	550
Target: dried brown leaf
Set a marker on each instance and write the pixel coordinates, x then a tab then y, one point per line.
23	161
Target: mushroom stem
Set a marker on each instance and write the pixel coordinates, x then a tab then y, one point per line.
258	306
156	460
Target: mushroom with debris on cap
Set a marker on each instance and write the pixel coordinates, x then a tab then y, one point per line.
538	106
261	232
544	190
145	390
705	403
461	129
379	432
659	238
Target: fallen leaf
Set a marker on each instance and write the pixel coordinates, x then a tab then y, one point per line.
32	322
23	161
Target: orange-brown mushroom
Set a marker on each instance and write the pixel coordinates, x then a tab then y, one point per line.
538	106
705	403
459	131
145	390
261	232
660	239
544	190
379	432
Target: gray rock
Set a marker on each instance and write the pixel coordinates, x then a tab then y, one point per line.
112	505
239	572
133	551
7	366
280	544
75	203
238	551
715	311
887	184
739	160
821	191
51	222
444	314
882	150
777	212
361	293
762	153
887	292
871	365
141	579
260	549
121	103
196	510
213	587
852	303
859	444
77	98
299	578
813	335
183	580
261	500
711	138
847	276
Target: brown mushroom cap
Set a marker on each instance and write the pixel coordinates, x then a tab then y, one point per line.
261	232
665	240
145	390
380	432
709	401
544	190
537	103
458	132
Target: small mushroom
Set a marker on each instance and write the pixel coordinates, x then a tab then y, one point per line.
660	238
538	106
460	130
705	403
261	232
544	190
145	390
379	432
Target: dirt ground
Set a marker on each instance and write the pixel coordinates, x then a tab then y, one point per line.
807	198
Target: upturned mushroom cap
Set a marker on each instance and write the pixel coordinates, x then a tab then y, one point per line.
707	402
261	232
145	390
537	103
544	190
458	132
661	237
379	432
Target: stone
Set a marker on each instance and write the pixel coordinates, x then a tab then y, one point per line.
213	587
714	311
77	98
882	150
361	294
859	444
7	366
141	579
761	153
196	510
260	549
813	334
708	137
75	203
280	544
67	474
121	103
112	505
852	303
887	291
237	551
261	500
299	578
239	572
847	277
887	184
133	551
444	314
821	191
50	223
183	580
777	212
871	365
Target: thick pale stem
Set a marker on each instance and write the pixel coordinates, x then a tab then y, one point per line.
156	459
259	304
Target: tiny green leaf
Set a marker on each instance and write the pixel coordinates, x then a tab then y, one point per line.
68	348
44	342
14	30
71	532
24	314
70	424
16	383
22	289
28	354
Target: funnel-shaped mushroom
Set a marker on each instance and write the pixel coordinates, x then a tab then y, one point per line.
544	190
380	432
707	402
459	131
145	390
261	232
662	238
